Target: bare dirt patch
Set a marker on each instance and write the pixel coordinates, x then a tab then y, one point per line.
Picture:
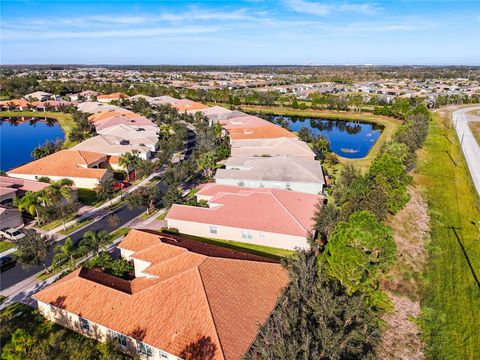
402	338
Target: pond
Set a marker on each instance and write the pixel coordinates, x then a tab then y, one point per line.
20	135
349	139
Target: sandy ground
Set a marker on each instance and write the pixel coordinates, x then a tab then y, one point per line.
402	338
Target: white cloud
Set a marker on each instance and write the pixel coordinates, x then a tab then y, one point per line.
126	33
324	9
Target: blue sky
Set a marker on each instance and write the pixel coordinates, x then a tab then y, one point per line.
240	32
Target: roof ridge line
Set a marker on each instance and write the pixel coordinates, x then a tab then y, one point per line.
210	309
288	212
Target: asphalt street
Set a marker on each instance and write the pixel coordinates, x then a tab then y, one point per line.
16	274
470	147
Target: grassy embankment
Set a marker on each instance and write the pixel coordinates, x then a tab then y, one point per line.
451	298
64	120
475	127
390	126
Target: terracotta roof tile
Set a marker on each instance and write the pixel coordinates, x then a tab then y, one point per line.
193	299
67	163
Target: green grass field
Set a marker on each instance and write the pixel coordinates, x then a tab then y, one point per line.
5	245
64	120
88	197
451	299
475	127
266	251
390	126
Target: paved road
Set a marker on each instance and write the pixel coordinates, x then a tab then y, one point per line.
17	273
470	147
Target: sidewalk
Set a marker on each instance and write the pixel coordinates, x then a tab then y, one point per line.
100	212
23	291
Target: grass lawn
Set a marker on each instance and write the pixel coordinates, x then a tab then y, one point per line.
475	127
390	126
5	245
76	226
64	120
88	197
265	251
451	298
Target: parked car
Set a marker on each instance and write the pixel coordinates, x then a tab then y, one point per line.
7	262
11	234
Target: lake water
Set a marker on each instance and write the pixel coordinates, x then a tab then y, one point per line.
19	136
348	139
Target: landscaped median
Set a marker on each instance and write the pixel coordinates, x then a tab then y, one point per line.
389	125
64	120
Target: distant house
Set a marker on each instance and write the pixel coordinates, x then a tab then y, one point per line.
87	95
94	107
110	97
15	104
85	168
118	145
39	95
182	303
185	105
11	187
280	172
148	135
271	147
268	217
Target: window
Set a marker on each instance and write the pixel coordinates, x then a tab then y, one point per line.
262	235
84	324
246	234
144	349
163	355
213	229
121	339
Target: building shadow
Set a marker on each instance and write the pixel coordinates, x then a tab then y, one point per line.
202	349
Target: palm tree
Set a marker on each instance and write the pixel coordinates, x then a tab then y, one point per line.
30	202
63	252
129	160
94	241
60	189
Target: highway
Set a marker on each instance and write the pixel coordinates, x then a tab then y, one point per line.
470	147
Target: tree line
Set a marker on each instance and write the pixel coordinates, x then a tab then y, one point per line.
331	308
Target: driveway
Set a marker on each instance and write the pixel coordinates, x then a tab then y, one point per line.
470	147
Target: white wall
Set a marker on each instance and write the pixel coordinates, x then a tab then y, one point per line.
275	240
97	331
87	183
311	188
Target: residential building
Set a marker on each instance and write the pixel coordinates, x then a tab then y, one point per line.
181	303
188	105
106	99
93	107
271	147
148	135
269	217
280	172
11	188
85	168
117	145
38	95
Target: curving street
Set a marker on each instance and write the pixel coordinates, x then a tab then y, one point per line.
470	147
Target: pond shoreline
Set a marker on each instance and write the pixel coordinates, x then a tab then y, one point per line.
390	126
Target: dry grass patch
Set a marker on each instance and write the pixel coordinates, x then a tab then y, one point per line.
402	338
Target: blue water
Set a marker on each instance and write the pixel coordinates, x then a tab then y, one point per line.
19	136
348	139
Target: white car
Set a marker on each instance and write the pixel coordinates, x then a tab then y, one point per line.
11	234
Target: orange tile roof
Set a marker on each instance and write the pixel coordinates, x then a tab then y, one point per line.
108	114
117	95
262	132
15	102
187	105
67	163
262	209
192	299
